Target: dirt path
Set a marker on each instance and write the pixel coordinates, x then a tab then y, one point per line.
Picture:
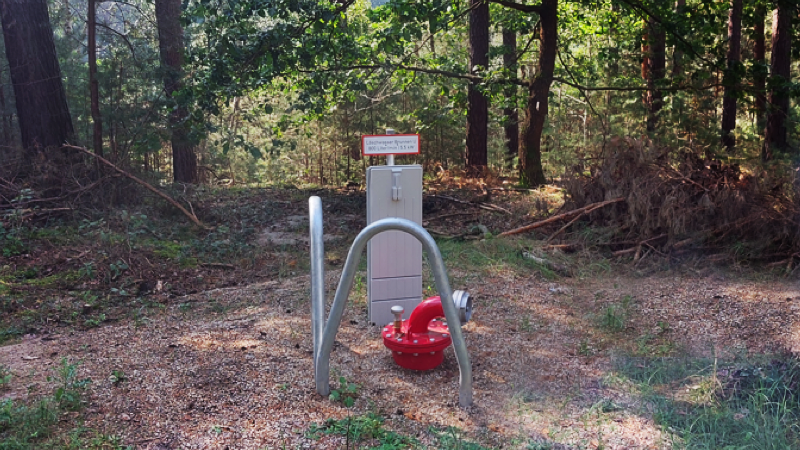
231	368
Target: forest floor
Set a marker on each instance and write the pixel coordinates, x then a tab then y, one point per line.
135	330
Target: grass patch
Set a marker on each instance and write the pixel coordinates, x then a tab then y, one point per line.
491	256
367	429
35	425
9	333
708	404
614	318
367	432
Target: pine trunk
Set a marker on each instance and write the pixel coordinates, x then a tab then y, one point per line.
42	110
759	59
530	149
510	113
653	70
170	44
478	105
677	54
734	54
94	91
775	138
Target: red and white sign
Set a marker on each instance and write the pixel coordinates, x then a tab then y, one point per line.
390	144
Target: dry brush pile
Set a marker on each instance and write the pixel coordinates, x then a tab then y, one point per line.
678	201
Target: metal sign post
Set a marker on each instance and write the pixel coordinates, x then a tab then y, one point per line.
394	259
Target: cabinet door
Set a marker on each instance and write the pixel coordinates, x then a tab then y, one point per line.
394	258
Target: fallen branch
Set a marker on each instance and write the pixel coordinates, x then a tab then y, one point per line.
558	268
562	247
638	247
443	216
443	234
28	214
563	216
218	266
482	205
191	216
625	251
510	189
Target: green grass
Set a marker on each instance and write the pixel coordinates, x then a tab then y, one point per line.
8	333
705	404
34	425
491	256
614	318
367	432
361	429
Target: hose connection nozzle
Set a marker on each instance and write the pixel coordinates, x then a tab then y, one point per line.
398	318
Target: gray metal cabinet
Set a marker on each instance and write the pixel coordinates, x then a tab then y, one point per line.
394	258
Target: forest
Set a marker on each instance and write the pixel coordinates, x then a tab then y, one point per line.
617	180
279	93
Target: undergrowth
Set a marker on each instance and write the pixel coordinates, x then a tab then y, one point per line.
35	424
492	257
368	432
709	404
676	202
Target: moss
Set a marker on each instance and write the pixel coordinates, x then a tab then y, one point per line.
167	249
28	277
188	263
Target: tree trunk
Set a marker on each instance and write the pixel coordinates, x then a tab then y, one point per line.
759	59
530	148
478	105
653	70
170	44
677	54
734	54
511	115
94	91
775	135
44	118
3	114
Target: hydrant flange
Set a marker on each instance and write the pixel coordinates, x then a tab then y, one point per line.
416	346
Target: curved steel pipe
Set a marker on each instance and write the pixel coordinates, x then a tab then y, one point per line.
324	344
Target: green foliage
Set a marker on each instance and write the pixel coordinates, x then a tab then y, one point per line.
8	333
744	404
70	389
11	242
370	428
34	426
614	317
5	376
491	256
451	438
117	269
346	393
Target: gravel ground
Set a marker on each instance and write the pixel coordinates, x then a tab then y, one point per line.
231	368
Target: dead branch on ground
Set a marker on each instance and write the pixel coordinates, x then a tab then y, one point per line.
482	205
562	216
166	197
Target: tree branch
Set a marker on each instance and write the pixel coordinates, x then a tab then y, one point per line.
634	88
518	6
588	102
568	214
166	197
658	19
124	38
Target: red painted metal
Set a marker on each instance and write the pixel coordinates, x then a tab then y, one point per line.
422	338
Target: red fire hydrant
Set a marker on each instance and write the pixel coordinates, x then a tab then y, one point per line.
418	343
